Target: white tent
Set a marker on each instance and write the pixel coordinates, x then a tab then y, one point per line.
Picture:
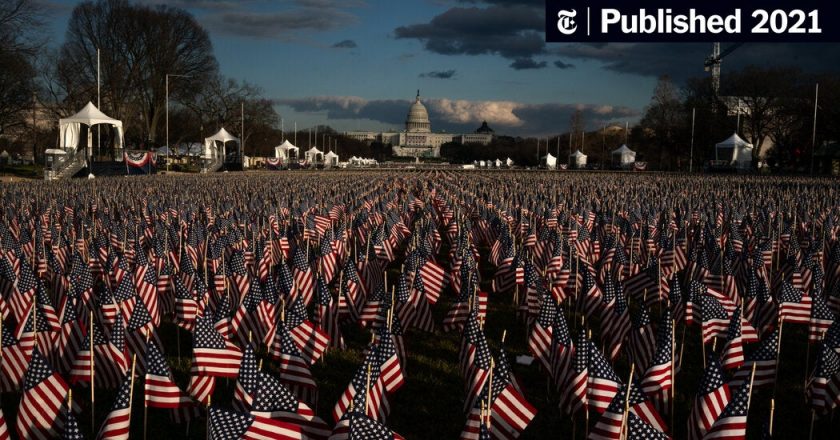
330	159
550	161
314	155
69	129
498	163
509	162
283	151
736	151
211	150
577	159
482	164
623	157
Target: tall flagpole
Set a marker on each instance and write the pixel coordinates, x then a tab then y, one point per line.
814	130
691	154
99	106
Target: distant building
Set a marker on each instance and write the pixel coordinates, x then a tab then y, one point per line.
418	140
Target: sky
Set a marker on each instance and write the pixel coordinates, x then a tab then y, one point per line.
357	64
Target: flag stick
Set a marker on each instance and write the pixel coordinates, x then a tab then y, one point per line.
627	401
367	389
772	410
673	375
92	372
811	430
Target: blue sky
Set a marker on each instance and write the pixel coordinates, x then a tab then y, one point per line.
358	63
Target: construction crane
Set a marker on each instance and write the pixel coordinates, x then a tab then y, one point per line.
713	63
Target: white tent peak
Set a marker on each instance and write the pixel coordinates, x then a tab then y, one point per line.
734	140
90	115
286	145
222	136
577	153
623	149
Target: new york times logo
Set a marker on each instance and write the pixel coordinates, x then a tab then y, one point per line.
566	22
709	20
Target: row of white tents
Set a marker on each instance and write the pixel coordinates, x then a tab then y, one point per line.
734	151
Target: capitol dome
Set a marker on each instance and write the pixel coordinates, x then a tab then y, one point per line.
417	120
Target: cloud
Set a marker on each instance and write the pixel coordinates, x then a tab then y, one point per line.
685	60
458	115
513	32
345	44
527	63
285	23
439	74
197	4
563	65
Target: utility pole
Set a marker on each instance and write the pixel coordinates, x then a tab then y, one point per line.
814	130
691	153
242	141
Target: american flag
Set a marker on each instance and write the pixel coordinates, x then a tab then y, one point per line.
616	326
4	430
358	426
715	318
658	378
274	401
712	397
107	354
229	425
246	321
160	388
327	259
293	368
186	306
637	429
603	382
510	411
366	390
732	356
475	360
213	355
732	421
433	279
326	316
117	423
574	388
310	340
69	339
539	341
391	372
794	306
44	393
642	341
14	364
248	380
821	319
71	429
303	276
764	358
823	389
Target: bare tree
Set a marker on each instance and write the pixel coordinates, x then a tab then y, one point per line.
19	22
139	45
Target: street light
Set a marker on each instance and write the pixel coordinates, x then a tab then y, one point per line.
168	147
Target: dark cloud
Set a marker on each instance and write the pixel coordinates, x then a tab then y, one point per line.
512	32
345	44
560	64
197	4
685	60
285	23
439	74
527	63
458	116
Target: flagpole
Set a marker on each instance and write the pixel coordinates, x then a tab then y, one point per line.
622	434
92	372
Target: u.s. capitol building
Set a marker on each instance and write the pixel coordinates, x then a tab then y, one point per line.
417	140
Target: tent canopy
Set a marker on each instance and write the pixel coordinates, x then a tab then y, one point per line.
623	156
222	136
550	161
70	128
578	159
735	150
282	151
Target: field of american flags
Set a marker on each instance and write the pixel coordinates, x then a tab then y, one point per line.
593	248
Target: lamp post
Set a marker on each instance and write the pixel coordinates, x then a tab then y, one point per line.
168	147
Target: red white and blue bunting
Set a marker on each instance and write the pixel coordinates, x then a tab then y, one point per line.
640	166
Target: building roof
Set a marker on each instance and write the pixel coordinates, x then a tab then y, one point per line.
484	129
417	119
